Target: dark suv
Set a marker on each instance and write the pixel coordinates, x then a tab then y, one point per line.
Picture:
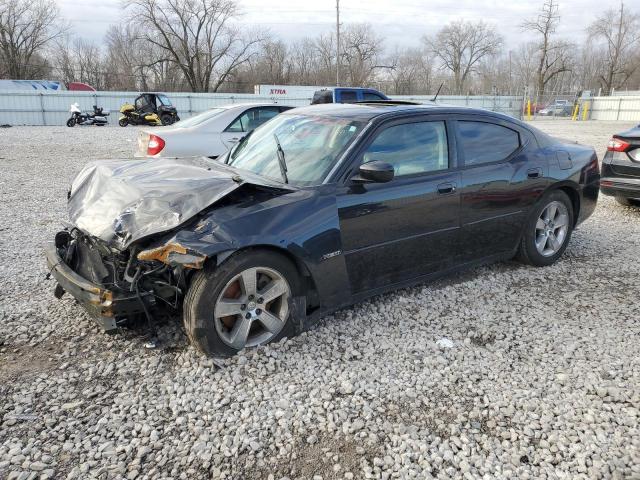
621	168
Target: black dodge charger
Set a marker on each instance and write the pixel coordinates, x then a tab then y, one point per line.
621	168
321	207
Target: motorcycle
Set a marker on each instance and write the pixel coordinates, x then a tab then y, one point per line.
132	117
98	117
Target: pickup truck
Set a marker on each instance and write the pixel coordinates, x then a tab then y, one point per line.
347	95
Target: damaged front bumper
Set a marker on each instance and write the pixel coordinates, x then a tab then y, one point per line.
105	306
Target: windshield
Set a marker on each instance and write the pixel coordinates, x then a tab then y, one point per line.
200	118
164	100
311	145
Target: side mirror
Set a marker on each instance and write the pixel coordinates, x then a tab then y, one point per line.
375	171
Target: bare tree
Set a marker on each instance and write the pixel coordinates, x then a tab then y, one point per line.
620	32
525	64
303	62
324	59
26	28
461	45
554	56
494	75
80	61
361	49
273	66
126	58
412	73
197	36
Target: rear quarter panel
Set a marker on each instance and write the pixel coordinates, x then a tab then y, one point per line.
576	166
191	142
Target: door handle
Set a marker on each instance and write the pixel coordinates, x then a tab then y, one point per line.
534	173
446	188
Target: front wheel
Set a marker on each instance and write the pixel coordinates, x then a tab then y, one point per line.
123	122
548	230
244	302
71	122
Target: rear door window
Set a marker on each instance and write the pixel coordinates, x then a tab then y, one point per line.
252	119
348	96
483	142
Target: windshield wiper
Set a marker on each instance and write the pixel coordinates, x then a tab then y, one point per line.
281	160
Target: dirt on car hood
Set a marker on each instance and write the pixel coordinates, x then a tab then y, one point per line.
121	201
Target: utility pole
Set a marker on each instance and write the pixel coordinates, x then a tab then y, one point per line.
510	51
337	43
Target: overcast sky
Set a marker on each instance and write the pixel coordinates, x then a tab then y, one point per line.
400	22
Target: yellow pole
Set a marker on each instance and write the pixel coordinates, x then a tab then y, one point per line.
585	110
528	109
575	112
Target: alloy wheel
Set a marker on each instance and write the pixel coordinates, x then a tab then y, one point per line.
551	228
252	308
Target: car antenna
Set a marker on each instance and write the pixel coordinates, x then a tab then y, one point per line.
438	92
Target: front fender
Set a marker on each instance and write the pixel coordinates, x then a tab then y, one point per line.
304	225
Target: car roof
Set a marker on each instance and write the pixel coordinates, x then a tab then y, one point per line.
250	105
364	111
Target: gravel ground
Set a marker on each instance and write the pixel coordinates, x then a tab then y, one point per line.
505	371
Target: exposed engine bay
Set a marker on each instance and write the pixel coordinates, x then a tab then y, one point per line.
141	229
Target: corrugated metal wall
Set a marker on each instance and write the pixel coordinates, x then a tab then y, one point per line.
615	108
52	108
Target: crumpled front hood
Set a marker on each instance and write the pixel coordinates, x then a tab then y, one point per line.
121	201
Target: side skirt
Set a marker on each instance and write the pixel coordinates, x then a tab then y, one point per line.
360	297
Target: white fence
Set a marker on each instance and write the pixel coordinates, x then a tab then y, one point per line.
52	108
615	108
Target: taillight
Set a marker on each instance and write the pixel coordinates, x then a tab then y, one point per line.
155	145
617	145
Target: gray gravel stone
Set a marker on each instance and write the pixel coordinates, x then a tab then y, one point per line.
542	380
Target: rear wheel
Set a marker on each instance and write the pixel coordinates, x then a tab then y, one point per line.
628	202
548	230
242	303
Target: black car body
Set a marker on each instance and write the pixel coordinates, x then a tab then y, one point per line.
146	235
621	167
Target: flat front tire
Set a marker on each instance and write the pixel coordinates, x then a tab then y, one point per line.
242	303
548	230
